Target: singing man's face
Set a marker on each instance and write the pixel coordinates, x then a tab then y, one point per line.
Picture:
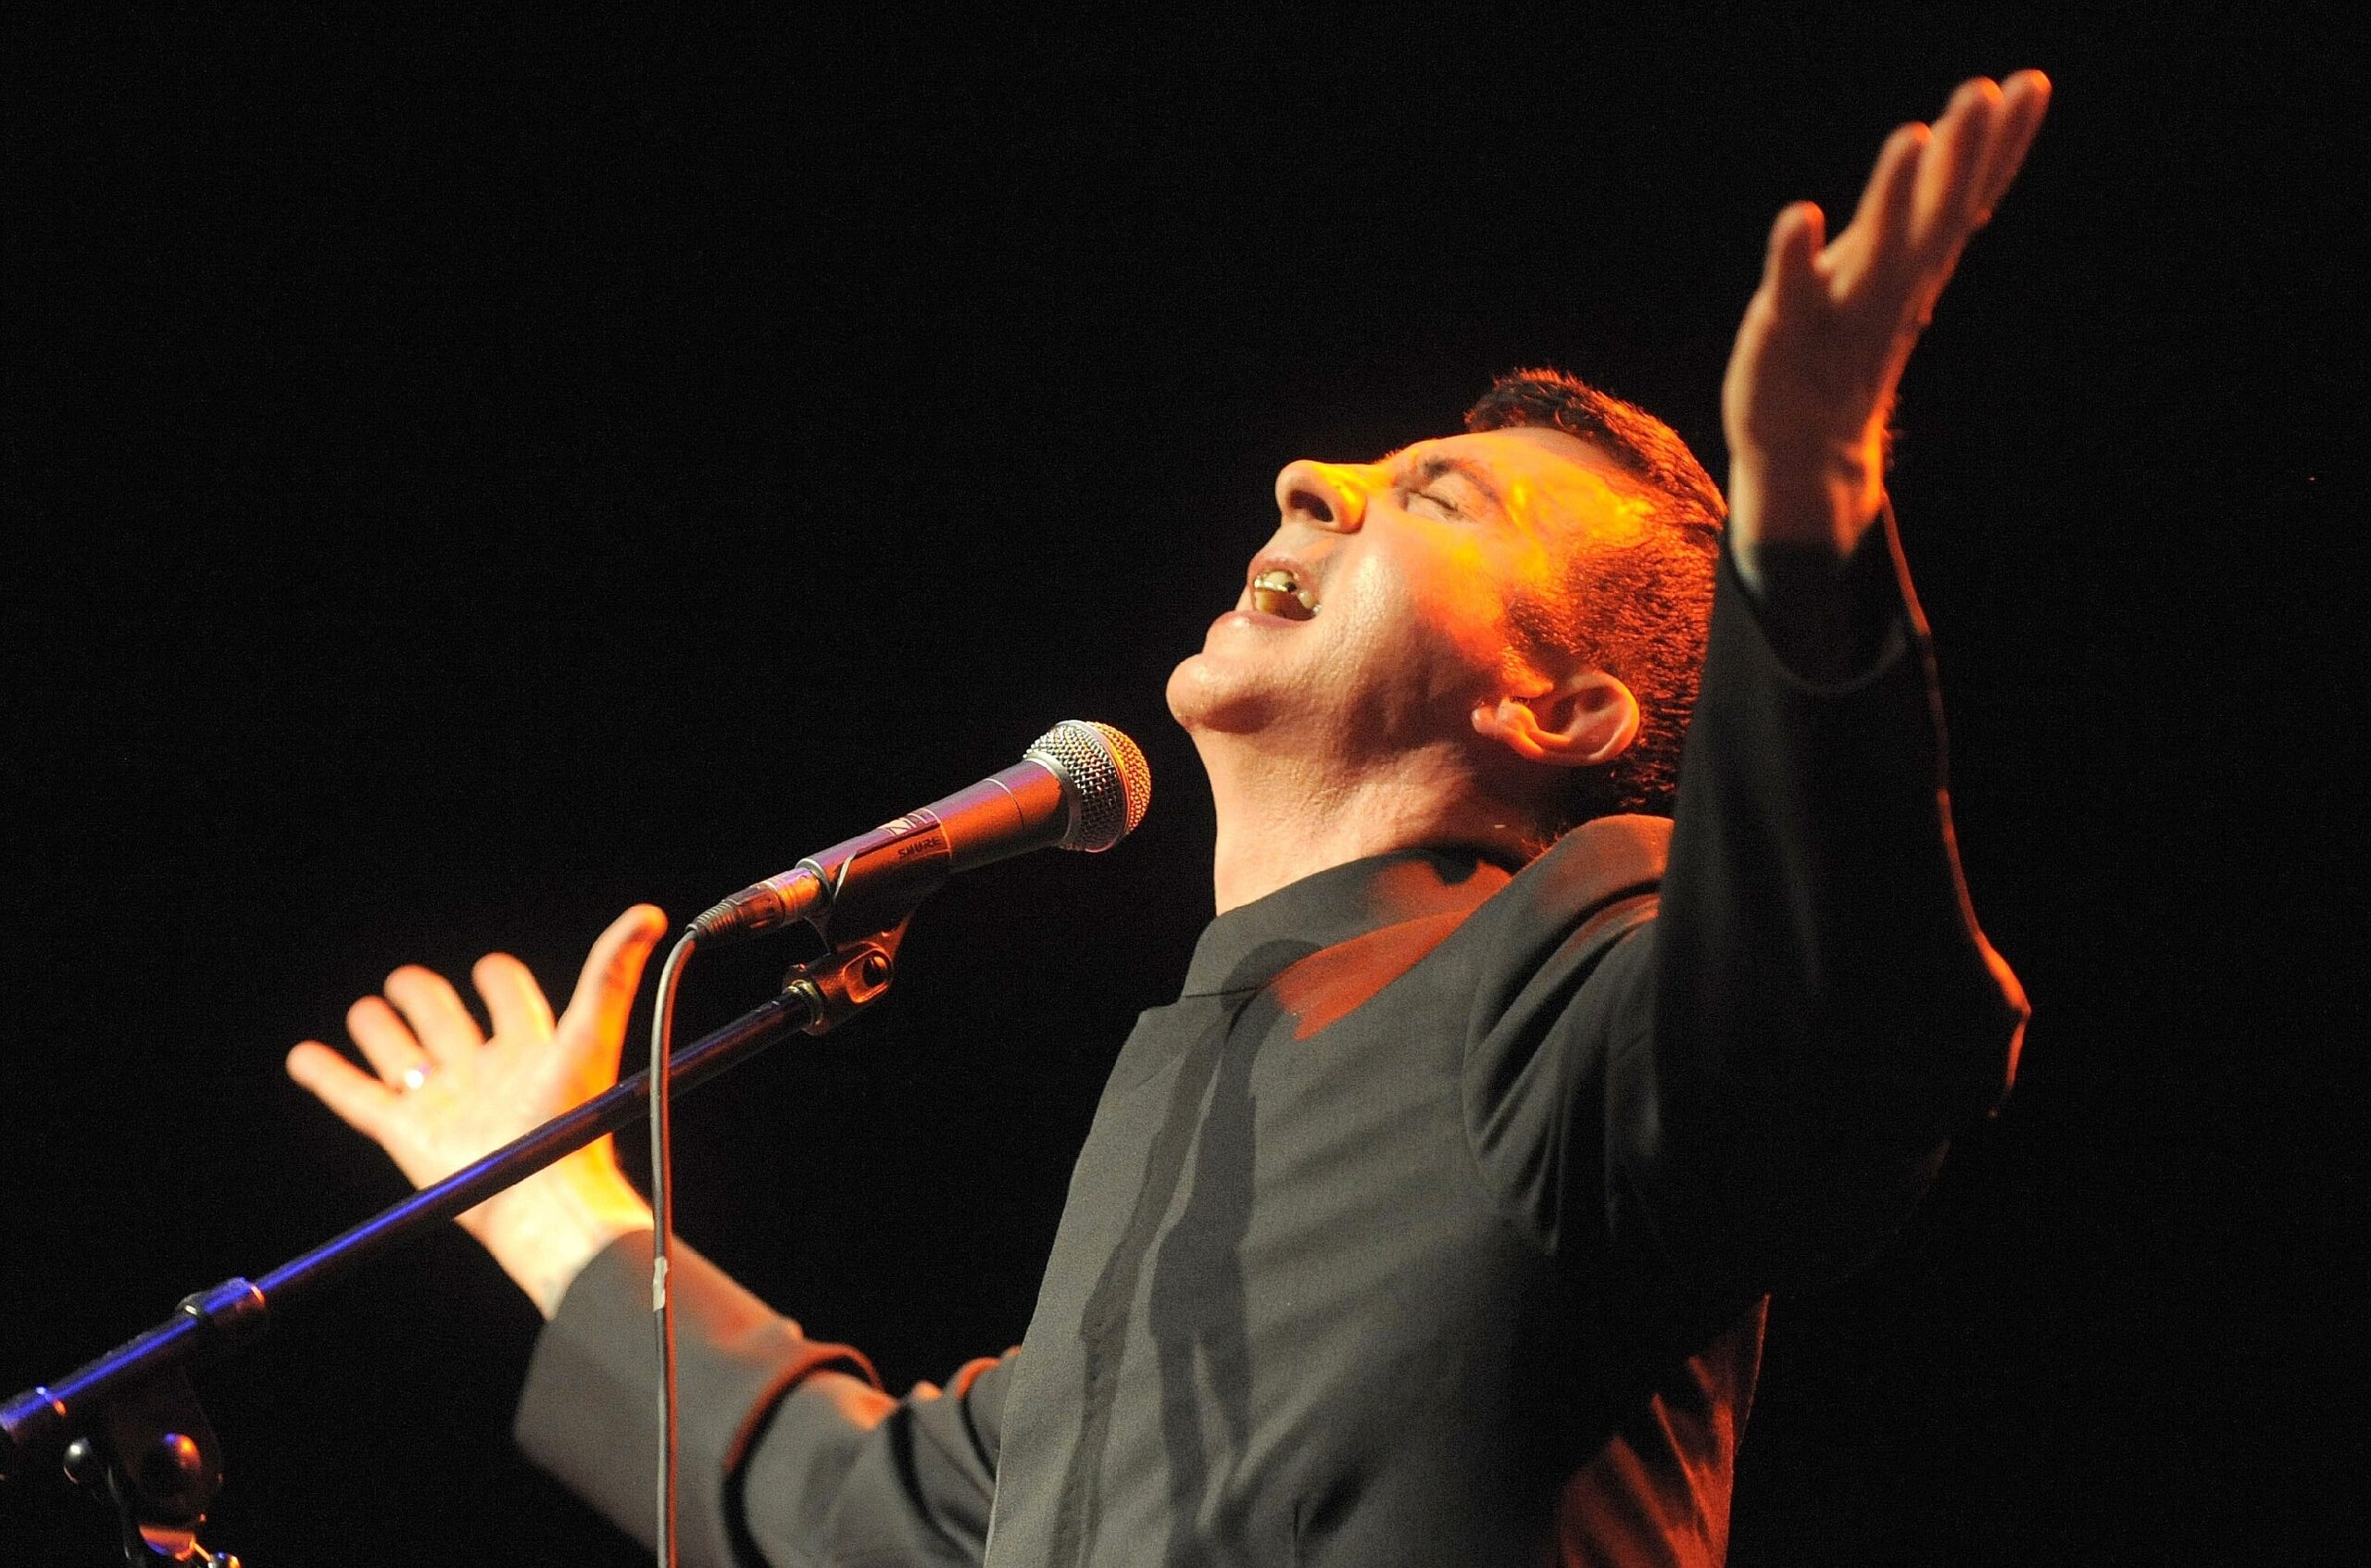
1390	620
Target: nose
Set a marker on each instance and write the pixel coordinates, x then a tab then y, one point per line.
1326	495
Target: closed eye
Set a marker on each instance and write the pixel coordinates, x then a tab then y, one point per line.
1438	478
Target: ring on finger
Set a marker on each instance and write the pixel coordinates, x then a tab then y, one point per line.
414	1076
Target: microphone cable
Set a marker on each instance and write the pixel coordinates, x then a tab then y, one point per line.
663	1211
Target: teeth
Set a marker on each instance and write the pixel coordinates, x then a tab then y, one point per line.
1276	592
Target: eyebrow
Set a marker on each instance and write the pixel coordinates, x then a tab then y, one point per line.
1415	474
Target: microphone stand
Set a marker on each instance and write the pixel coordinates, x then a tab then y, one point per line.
128	1424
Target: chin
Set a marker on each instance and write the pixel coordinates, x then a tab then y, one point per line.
1208	694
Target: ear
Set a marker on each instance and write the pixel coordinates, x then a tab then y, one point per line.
1583	721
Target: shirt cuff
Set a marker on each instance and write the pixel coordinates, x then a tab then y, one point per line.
588	1413
1833	624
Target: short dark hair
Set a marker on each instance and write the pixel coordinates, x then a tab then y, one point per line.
1637	608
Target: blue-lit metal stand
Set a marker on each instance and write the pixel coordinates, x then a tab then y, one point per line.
129	1426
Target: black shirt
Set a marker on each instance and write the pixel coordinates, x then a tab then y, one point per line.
1432	1223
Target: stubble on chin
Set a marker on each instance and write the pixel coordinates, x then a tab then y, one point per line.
1209	694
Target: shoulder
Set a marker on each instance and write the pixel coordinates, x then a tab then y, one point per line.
1601	868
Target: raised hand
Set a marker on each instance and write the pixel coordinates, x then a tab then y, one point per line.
442	1093
1812	380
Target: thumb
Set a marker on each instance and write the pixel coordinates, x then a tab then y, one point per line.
603	999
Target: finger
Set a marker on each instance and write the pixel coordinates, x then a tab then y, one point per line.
513	1000
604	995
386	1042
2025	99
1946	199
359	1100
445	1029
1788	270
1883	217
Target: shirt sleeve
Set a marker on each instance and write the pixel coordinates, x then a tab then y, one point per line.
789	1454
1749	1078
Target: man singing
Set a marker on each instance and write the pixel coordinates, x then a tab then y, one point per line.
1434	1222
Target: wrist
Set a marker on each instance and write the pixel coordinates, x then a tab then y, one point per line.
546	1230
1812	498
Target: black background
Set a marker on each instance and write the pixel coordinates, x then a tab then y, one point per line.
463	476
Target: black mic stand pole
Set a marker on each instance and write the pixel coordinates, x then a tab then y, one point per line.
129	1424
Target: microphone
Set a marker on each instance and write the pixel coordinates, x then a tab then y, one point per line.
1080	786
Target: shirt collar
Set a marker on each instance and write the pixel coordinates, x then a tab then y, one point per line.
1246	947
1250	945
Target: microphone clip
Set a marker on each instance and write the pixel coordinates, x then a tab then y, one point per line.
844	982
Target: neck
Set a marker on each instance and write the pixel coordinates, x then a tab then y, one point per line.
1282	818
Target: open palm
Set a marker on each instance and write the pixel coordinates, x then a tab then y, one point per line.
1820	353
442	1092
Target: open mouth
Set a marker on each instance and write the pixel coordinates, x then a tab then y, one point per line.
1277	592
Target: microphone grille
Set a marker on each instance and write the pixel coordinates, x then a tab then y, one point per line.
1110	784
